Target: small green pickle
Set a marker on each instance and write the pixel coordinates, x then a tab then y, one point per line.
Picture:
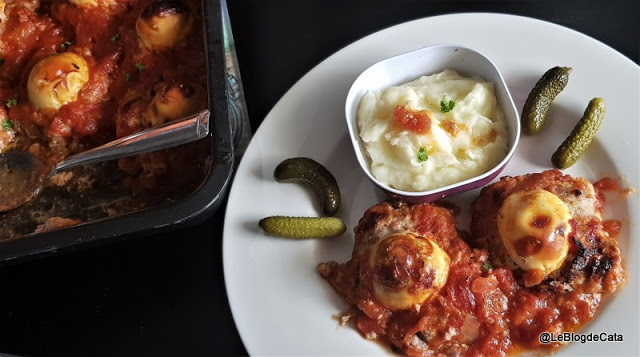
536	107
577	142
308	172
302	227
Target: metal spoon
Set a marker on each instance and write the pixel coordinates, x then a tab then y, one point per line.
22	175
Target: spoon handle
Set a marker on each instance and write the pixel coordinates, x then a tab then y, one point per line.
157	138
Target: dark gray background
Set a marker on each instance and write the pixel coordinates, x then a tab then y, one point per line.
164	294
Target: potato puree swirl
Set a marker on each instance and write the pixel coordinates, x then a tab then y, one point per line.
459	144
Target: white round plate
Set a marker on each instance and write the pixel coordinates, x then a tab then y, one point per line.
282	306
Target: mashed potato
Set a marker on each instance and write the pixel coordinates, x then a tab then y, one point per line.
415	144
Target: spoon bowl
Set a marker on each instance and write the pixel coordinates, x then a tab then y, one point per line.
20	178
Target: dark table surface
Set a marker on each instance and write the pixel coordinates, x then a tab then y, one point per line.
164	294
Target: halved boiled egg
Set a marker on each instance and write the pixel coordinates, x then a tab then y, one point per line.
163	24
534	228
57	80
407	270
175	101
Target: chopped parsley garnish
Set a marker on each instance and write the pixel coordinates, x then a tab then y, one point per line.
422	154
8	124
446	106
128	77
486	265
67	44
139	66
12	102
115	37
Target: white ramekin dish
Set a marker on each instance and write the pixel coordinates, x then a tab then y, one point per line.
425	61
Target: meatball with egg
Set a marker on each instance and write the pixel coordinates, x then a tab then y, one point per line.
402	255
548	228
405	271
539	258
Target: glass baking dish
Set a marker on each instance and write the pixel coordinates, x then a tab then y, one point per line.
229	135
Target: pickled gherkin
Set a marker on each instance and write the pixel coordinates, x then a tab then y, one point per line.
534	111
302	227
577	142
308	172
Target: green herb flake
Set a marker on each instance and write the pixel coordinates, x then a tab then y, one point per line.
115	37
139	66
422	155
486	265
12	102
128	77
446	106
8	124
